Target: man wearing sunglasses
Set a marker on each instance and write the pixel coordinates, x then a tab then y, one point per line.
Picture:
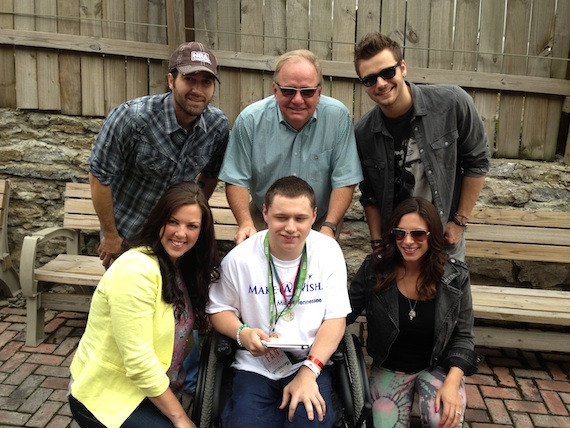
420	140
296	131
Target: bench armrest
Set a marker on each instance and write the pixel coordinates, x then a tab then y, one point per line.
29	249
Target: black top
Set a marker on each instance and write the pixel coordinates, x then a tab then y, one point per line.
411	351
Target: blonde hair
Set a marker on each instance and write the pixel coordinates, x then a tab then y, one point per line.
296	55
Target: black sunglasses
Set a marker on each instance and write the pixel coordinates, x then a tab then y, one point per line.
291	92
386	74
417	235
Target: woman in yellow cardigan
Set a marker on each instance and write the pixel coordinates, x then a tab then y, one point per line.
127	370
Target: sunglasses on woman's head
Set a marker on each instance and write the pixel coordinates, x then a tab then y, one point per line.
417	235
291	92
385	74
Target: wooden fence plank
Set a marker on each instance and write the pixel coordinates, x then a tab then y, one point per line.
275	40
7	64
26	59
393	20
535	120
48	65
157	70
368	21
92	84
229	88
344	27
251	40
510	107
69	62
417	33
136	13
321	36
491	34
205	22
297	19
175	18
466	35
321	30
114	78
441	34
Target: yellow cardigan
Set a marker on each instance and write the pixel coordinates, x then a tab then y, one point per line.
127	346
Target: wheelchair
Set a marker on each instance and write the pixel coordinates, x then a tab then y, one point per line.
352	403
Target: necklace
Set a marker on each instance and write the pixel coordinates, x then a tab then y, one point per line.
412	313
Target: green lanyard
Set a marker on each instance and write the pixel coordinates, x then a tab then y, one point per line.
298	287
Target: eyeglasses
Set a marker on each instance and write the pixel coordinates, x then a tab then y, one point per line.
386	74
417	235
291	92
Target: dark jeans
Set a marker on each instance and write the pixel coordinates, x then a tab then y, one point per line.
146	415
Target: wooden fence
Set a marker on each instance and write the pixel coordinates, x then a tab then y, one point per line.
83	57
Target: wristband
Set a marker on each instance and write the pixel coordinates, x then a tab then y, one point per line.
459	223
241	327
313	367
376	243
316	361
330	225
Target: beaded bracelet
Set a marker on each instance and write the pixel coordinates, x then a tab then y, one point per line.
241	327
313	367
316	361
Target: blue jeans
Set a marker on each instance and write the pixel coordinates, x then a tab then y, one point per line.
146	415
191	365
255	402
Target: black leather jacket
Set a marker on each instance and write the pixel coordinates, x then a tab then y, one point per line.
453	329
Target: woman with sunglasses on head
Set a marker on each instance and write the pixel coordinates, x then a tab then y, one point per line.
127	371
420	321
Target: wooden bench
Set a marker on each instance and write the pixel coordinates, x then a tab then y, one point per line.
527	236
9	281
71	268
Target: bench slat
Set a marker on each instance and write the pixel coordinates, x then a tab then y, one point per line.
521	315
559	220
518	234
66	302
528	252
223	216
72	269
533	340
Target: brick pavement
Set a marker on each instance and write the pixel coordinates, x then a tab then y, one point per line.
513	388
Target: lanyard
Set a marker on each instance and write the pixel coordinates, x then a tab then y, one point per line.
297	288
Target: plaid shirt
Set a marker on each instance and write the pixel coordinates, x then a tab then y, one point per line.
142	150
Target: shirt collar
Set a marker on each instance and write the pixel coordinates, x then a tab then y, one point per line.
172	124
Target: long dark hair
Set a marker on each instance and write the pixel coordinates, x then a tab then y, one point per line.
433	261
198	266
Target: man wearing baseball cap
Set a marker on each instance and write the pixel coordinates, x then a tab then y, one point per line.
150	143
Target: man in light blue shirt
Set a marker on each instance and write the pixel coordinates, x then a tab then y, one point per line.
296	131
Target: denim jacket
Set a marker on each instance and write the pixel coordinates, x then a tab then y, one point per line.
451	141
453	329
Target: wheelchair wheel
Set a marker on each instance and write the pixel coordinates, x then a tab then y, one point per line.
352	383
214	380
203	402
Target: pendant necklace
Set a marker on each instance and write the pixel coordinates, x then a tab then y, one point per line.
412	313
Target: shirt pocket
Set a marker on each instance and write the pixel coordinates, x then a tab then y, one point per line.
374	170
445	149
320	166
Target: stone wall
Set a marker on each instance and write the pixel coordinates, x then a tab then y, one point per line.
40	152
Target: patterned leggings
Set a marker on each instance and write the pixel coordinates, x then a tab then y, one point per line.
393	396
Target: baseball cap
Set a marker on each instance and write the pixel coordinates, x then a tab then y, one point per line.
192	57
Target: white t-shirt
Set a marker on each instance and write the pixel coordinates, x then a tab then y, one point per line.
243	288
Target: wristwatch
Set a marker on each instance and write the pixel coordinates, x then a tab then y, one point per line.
330	225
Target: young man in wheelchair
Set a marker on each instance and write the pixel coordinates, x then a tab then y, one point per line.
283	295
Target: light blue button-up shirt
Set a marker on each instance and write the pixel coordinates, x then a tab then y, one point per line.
263	147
